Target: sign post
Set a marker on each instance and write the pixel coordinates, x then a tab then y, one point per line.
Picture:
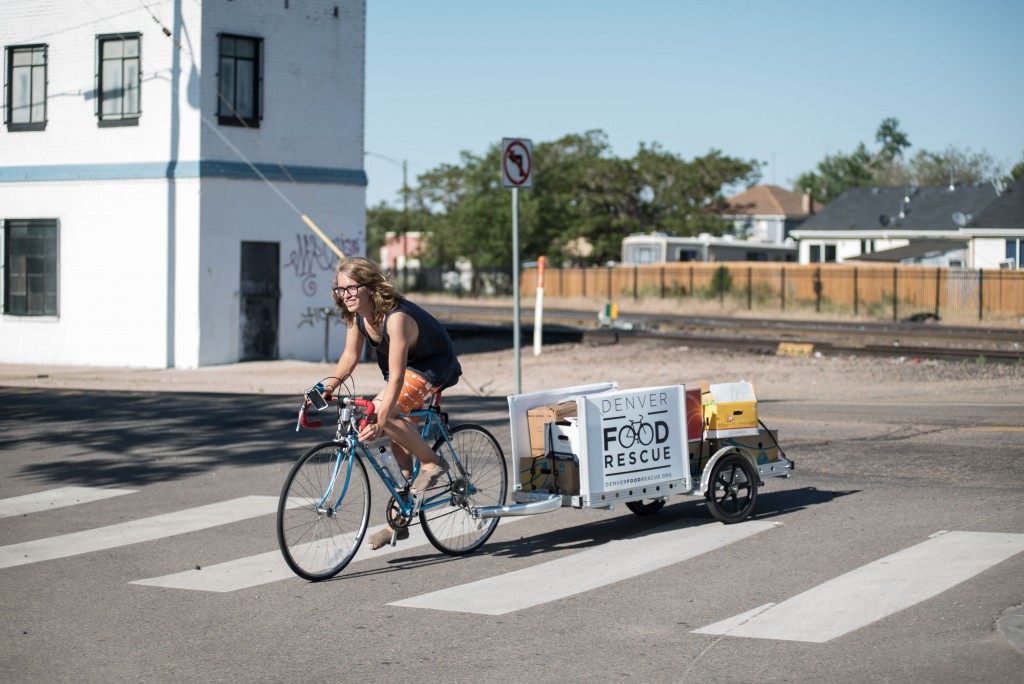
538	312
516	172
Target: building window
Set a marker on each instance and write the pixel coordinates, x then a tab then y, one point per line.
822	254
1013	252
30	267
118	80
26	88
239	92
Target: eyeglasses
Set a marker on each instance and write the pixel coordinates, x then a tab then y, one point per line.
349	291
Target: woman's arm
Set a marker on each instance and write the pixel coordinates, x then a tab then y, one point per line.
348	361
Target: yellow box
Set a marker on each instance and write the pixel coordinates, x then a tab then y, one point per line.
730	409
553	475
540	416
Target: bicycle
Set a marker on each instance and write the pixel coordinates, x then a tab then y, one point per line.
324	510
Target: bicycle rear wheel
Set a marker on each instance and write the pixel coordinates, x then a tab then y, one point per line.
323	511
445	514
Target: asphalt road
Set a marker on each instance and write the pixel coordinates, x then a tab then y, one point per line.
877	489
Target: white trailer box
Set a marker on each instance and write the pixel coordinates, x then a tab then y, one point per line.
633	443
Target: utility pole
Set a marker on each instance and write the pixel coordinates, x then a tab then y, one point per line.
405	226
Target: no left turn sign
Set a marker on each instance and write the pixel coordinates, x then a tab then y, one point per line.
516	163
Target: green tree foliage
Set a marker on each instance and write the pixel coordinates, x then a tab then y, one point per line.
1017	171
962	166
887	167
381	219
839	172
584	200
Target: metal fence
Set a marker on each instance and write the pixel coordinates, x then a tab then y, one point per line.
871	291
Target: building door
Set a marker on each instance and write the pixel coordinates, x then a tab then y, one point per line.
259	294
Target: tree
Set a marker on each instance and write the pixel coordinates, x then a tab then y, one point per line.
380	220
960	166
838	173
1017	171
584	200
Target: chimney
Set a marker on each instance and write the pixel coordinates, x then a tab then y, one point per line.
806	197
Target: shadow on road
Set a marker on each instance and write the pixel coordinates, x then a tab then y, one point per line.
579	535
134	438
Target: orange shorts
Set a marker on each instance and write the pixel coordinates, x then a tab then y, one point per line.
416	392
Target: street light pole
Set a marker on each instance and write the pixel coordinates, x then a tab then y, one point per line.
404	164
405	226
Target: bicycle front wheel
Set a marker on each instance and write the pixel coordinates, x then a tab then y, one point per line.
323	511
446	517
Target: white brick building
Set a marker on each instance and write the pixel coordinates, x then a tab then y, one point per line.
156	159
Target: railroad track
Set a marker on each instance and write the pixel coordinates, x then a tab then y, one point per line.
929	340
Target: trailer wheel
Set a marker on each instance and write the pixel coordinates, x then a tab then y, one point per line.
646	506
732	490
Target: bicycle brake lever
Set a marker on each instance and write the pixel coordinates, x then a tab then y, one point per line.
304	422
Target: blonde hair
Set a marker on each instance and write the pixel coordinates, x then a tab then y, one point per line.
383	294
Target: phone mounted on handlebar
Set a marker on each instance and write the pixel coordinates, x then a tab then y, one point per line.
309	399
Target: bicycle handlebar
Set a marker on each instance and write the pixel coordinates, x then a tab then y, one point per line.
369	410
367	405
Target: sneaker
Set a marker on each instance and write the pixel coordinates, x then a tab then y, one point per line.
428	479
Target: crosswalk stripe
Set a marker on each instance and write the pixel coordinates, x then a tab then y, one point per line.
56	498
268	567
876	590
612	562
262	568
135	531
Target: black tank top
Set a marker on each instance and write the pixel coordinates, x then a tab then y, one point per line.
433	357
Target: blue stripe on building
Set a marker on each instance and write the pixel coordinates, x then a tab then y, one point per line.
185	169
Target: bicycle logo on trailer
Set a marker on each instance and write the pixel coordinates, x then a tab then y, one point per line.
636	431
639	440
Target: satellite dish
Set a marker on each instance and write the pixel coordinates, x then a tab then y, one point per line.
960	219
884	220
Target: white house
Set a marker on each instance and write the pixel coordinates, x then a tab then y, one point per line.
768	213
157	161
976	225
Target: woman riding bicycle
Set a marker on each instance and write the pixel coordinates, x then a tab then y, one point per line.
416	356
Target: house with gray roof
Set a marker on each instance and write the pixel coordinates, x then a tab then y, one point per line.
977	225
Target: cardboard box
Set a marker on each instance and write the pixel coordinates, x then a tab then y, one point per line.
763	446
542	415
562	439
730	409
560	476
536	473
567	477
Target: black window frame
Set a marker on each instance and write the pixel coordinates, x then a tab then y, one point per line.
9	53
106	120
227	103
21	298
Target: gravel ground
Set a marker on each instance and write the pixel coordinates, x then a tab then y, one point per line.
633	364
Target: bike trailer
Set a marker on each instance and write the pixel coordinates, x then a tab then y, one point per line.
595	446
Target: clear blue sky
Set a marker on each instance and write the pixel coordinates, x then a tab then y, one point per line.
785	82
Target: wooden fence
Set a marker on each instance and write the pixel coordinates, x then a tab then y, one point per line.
882	292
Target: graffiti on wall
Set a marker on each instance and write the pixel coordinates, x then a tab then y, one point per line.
313	262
